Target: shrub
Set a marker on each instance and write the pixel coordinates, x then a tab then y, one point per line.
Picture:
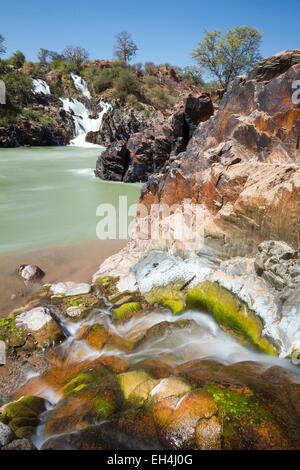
161	99
29	68
102	79
158	97
30	115
133	102
47	121
4	121
150	82
18	88
192	75
126	84
150	68
63	65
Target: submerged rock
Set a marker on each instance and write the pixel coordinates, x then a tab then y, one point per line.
30	272
208	434
177	418
90	397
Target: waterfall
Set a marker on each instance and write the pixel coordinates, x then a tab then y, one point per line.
83	123
40	87
81	85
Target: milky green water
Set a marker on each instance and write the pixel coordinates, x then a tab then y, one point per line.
49	196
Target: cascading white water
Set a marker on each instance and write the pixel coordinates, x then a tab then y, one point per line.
40	87
83	123
81	85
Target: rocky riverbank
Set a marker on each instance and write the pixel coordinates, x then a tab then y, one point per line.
175	346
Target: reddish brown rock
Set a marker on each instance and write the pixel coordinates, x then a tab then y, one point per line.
242	164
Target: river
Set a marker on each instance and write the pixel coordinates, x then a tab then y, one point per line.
48	202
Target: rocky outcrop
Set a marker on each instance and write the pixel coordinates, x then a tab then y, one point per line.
242	165
29	133
144	151
275	65
242	168
117	125
33	135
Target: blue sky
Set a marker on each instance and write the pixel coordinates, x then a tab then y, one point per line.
164	30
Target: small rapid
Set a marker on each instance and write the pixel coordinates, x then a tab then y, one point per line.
203	340
157	337
81	85
40	87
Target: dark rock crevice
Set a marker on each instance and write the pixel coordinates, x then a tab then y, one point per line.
137	148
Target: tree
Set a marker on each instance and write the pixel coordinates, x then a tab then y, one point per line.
2	46
125	49
17	59
44	56
226	56
76	55
192	74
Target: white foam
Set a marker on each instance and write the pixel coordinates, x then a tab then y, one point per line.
40	87
81	85
83	122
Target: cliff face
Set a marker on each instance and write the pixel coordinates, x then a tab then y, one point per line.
243	164
137	147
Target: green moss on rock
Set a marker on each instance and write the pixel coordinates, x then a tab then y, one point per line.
23	415
104	408
125	311
13	335
171	297
233	404
229	312
77	384
106	286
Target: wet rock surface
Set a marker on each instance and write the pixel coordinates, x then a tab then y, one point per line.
143	399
